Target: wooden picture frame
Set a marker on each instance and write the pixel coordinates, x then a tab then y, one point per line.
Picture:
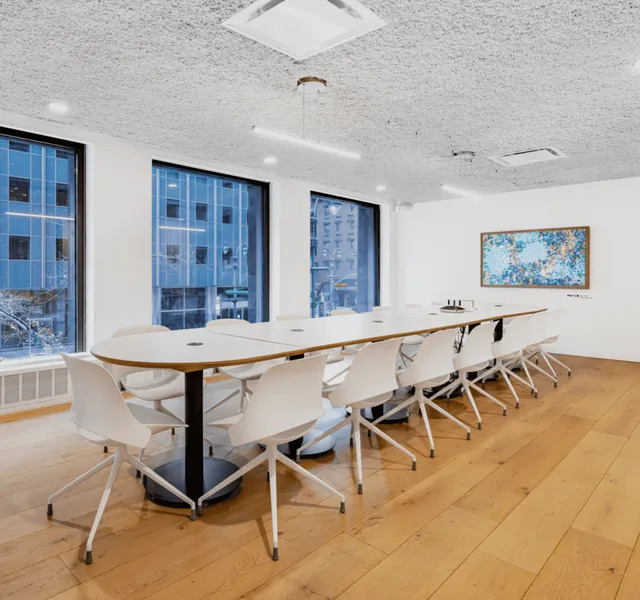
587	233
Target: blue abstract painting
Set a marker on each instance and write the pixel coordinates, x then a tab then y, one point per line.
544	258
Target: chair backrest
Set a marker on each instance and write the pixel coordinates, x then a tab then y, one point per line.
343	312
291	317
119	372
288	395
477	346
226	322
98	406
434	358
554	323
538	326
515	337
372	373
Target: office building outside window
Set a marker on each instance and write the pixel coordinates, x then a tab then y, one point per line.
41	245
344	263
210	248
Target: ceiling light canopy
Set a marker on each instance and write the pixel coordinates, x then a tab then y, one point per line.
460	192
270	160
283	137
381	188
302	28
58	108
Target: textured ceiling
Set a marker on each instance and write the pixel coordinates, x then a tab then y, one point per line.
491	76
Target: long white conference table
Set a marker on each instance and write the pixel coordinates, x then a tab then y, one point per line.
194	350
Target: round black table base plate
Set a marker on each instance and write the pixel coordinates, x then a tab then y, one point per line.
215	471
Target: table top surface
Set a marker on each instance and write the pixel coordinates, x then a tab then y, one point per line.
197	349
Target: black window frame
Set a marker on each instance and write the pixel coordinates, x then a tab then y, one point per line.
18	239
22	179
376	231
199	207
59	187
198	254
175	203
265	231
79	150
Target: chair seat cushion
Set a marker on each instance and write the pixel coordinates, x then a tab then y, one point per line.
225	422
153	419
412	340
250	372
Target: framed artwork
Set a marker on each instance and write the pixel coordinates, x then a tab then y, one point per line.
535	258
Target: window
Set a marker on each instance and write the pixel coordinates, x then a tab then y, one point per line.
173	209
218	271
19	189
173	253
18	247
62	249
201	255
42	255
62	194
201	211
352	282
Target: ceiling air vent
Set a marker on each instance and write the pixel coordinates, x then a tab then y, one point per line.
528	157
302	28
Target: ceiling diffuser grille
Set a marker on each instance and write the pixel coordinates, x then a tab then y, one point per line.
528	157
302	28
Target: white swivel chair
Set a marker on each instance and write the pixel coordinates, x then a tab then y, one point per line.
370	382
509	351
103	418
157	390
431	367
553	332
538	328
286	403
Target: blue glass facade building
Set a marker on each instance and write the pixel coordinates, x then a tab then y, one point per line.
209	248
38	283
344	255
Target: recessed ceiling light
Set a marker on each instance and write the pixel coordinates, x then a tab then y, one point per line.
460	192
58	108
301	142
381	188
270	160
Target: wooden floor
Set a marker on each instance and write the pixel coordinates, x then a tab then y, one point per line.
543	503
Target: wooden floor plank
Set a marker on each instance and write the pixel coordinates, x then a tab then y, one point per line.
613	511
499	493
416	569
582	567
623	417
38	582
483	577
323	574
528	536
630	586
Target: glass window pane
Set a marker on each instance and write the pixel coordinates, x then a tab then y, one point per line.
38	287
344	273
212	264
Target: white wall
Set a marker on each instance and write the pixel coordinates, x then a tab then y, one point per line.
438	253
118	233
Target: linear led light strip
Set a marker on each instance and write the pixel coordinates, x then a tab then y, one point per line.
459	192
16	214
180	228
283	137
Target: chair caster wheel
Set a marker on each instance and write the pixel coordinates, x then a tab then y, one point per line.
555	383
351	442
432	453
297	458
518	406
342	507
269	476
105	449
569	373
138	474
368	432
173	431
535	395
192	516
468	435
210	450
275	555
199	510
88	557
49	510
359	488
479	425
504	412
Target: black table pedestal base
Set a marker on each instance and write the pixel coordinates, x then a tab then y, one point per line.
215	471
